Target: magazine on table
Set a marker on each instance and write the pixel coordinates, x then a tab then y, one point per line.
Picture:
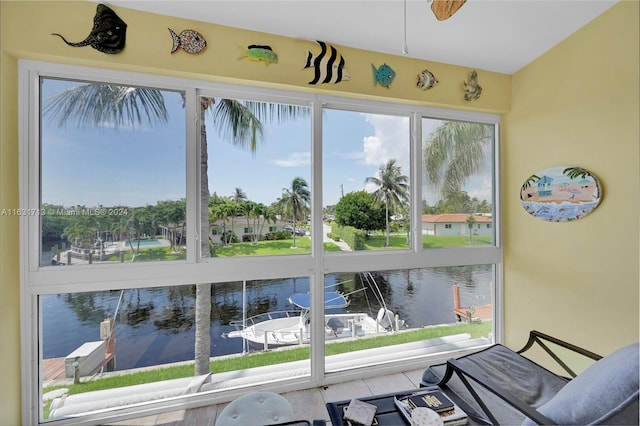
449	412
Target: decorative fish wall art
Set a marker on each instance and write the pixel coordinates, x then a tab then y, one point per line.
107	35
189	40
383	75
426	80
472	89
260	53
328	65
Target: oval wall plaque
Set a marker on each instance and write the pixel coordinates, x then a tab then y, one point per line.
561	194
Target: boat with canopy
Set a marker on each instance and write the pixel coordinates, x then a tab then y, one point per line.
282	328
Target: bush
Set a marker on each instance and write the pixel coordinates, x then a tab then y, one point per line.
278	235
229	237
354	237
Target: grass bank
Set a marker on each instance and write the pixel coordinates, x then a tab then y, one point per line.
259	359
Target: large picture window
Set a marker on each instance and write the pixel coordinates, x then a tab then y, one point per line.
182	238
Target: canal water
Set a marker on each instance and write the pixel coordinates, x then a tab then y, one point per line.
157	325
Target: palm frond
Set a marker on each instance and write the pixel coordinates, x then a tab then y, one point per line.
107	105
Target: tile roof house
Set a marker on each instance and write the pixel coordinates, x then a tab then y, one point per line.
456	224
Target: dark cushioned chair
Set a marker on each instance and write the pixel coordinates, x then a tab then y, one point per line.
500	386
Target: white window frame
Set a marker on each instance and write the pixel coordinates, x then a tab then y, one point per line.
36	280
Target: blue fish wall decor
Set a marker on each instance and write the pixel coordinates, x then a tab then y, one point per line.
328	65
108	34
189	40
383	75
426	80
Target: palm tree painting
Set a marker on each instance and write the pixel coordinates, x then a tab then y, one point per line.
392	190
98	104
561	194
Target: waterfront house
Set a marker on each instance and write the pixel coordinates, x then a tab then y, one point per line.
456	224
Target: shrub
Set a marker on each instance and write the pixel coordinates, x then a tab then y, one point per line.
354	237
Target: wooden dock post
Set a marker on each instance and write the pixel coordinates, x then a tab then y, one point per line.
471	313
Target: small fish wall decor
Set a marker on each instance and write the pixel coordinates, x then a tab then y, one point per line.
426	80
260	53
472	89
329	65
188	40
383	75
107	35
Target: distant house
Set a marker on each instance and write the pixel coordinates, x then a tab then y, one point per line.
240	227
456	224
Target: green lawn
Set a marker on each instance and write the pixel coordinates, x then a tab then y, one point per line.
377	242
150	255
259	359
440	241
303	246
271	248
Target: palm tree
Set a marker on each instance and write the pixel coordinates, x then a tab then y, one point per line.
576	172
295	202
454	152
471	220
238	197
98	104
393	189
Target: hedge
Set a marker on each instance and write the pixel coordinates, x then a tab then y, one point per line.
352	236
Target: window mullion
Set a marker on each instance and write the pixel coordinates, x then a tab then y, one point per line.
317	279
193	173
416	181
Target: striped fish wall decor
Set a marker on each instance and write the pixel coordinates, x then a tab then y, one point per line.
328	65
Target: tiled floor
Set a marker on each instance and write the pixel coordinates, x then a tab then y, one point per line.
307	404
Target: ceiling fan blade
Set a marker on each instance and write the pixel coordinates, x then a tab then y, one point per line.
444	9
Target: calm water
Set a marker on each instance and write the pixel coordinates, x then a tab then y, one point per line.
156	325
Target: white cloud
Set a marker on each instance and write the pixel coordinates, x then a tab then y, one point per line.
390	140
295	159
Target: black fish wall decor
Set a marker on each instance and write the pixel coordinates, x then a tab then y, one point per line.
328	65
108	33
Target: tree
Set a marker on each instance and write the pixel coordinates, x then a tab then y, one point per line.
172	215
257	214
237	198
295	202
471	220
97	104
454	152
360	210
393	189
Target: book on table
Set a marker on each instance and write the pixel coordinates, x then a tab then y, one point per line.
450	413
436	401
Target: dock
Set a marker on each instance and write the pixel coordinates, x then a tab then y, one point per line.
92	357
470	313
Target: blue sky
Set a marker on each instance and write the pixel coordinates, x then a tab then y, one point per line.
106	166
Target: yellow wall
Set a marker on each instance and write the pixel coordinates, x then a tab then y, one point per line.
585	284
576	105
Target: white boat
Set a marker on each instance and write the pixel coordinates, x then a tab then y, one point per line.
293	327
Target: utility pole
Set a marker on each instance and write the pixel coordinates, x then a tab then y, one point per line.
341	190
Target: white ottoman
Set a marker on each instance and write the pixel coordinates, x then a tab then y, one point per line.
255	409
